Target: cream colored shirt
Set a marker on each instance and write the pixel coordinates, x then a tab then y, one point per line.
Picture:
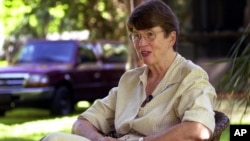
184	94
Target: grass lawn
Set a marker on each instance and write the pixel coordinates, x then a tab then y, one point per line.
30	124
3	63
27	124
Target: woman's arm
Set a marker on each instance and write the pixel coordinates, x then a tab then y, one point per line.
84	128
185	131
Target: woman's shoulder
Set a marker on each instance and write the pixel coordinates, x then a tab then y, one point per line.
137	70
134	73
188	66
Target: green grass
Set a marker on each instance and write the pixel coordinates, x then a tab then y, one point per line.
3	63
225	135
30	124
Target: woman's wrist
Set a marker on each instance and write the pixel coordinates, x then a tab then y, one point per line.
95	136
100	139
141	139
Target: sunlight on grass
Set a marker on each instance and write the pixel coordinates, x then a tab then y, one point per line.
3	63
83	104
31	124
40	127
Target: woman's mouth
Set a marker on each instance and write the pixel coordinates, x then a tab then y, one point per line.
145	53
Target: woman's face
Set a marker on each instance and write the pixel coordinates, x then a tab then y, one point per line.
153	46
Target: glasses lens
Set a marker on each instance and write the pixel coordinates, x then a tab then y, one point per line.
135	36
150	36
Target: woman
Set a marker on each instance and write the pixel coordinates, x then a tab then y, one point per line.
169	98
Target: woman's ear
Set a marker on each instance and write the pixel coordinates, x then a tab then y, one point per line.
172	38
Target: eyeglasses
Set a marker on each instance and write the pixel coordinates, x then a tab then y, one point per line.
148	36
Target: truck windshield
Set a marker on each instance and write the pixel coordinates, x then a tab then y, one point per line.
47	52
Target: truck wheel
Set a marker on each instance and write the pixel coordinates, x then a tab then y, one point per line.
2	112
62	103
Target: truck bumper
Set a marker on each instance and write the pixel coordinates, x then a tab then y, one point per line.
14	96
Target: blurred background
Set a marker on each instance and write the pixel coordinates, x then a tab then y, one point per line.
209	31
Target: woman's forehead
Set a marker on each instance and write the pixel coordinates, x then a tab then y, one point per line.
148	29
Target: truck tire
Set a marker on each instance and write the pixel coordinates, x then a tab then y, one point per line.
2	112
62	103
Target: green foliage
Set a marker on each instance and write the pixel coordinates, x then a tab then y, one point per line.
104	18
236	79
182	9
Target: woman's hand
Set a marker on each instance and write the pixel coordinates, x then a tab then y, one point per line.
107	139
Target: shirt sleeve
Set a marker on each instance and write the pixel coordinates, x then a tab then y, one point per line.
197	99
102	113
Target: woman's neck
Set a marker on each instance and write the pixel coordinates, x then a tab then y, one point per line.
158	70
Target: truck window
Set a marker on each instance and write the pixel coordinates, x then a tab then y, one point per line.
47	52
86	54
115	52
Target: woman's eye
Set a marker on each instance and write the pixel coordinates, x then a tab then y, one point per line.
149	34
137	36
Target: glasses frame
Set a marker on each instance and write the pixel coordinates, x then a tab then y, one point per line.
146	35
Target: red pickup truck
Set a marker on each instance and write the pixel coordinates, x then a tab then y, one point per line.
58	74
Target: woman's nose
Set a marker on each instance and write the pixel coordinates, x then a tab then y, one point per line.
142	41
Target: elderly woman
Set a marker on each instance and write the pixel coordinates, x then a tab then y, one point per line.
168	98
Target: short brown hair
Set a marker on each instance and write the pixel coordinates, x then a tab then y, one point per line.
154	13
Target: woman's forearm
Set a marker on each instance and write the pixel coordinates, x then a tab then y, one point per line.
85	128
185	131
